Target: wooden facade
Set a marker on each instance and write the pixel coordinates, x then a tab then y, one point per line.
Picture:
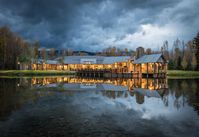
154	65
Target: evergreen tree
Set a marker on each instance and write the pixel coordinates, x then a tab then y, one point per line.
196	43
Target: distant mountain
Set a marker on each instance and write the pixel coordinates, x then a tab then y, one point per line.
84	53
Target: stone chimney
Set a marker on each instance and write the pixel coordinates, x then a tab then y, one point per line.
139	52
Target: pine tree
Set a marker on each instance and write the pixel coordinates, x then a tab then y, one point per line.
196	43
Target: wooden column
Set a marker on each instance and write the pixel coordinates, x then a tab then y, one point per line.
147	70
147	83
134	67
140	70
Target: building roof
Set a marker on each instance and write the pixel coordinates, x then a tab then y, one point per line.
52	62
147	92
94	59
41	61
150	59
85	87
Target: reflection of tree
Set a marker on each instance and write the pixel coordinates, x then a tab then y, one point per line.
194	87
193	97
7	95
115	94
177	103
14	93
165	101
179	89
164	94
185	91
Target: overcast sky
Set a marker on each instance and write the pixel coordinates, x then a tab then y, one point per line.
96	24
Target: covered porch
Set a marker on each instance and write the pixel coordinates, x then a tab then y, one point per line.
153	65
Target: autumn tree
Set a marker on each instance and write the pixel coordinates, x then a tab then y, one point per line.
165	50
52	53
36	47
44	56
126	50
69	52
25	55
188	52
184	62
177	54
13	49
148	51
113	51
194	62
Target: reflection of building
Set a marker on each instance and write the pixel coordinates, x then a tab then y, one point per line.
110	87
130	84
139	98
150	88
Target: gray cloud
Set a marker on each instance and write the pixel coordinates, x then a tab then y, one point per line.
96	24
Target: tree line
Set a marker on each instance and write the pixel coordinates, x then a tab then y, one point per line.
15	50
12	49
182	56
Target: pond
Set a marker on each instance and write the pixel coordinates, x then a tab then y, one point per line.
75	106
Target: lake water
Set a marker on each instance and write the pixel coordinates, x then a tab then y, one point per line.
71	106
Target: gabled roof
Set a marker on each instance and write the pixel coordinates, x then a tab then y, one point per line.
150	59
41	61
52	62
112	60
96	59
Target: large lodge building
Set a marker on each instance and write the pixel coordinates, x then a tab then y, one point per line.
154	65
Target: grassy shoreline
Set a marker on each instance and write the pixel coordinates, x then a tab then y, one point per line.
182	74
35	72
11	73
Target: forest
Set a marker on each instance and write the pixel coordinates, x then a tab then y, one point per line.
14	50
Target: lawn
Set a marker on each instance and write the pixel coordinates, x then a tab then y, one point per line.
171	73
34	72
181	73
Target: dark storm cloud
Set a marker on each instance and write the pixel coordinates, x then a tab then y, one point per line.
95	24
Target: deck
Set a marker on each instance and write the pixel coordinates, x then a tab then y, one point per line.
114	74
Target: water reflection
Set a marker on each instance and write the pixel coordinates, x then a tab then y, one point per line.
113	84
111	88
75	106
